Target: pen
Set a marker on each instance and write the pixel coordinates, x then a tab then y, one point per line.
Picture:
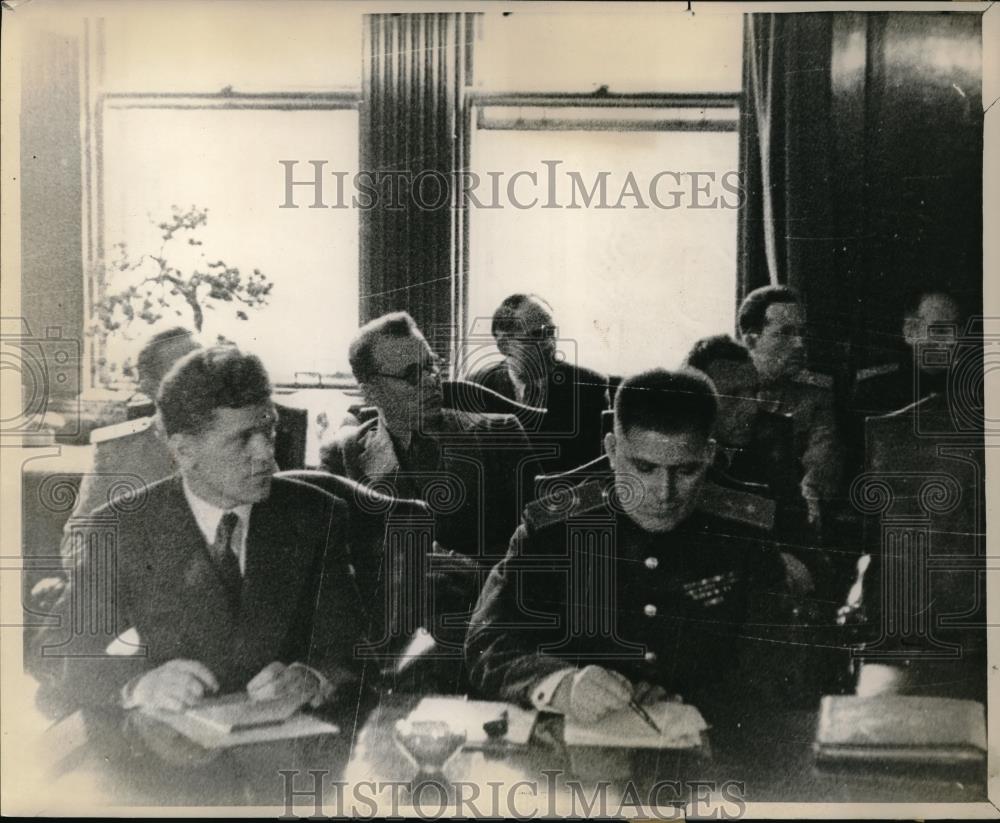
639	710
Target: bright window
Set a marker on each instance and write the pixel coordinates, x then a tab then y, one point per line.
228	162
622	213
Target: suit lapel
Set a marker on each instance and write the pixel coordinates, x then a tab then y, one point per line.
274	570
181	563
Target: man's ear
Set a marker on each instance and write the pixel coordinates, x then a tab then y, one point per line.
183	448
610	447
367	393
912	331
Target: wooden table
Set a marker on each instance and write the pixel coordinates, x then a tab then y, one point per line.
363	771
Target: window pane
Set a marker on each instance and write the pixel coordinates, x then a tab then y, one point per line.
633	287
656	48
227	162
250	45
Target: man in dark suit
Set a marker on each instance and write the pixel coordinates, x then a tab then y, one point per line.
674	589
931	329
473	470
220	579
887	387
131	455
532	374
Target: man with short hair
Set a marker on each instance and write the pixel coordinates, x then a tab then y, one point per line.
130	455
222	578
729	366
772	325
670	584
467	467
931	320
532	373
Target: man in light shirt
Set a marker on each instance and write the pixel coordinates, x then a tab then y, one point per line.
221	578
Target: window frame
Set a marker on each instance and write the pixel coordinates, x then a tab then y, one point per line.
94	223
477	101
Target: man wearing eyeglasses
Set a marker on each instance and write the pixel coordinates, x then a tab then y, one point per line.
464	466
534	372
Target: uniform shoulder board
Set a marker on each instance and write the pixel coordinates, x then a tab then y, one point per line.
811	378
119	430
740	506
876	371
567	501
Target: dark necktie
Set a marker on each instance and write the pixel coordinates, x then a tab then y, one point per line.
226	561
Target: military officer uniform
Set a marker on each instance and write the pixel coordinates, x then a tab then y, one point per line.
584	584
808	398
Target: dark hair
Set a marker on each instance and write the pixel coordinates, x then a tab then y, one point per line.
667	401
503	317
914	297
360	354
709	350
219	377
148	363
751	316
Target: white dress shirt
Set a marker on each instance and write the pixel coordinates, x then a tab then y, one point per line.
207	516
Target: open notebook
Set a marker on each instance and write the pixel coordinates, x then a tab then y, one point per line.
680	725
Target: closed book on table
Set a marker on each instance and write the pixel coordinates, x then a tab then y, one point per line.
895	729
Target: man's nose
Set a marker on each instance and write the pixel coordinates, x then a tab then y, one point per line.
665	486
262	447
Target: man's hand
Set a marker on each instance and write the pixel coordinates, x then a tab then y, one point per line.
276	680
591	693
173	686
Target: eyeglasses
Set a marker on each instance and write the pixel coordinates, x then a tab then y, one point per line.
547	332
415	373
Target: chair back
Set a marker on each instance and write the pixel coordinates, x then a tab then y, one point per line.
406	584
464	395
923	495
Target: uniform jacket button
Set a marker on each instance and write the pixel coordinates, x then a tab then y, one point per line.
650	657
649	610
652	562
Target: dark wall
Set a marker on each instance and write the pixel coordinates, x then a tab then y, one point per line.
52	274
907	104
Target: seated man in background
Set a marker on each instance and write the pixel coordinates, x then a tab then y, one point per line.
466	467
574	397
921	370
221	579
748	451
678	587
886	388
131	455
772	325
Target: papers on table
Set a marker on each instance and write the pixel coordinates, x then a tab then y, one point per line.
928	730
680	727
235	720
471	715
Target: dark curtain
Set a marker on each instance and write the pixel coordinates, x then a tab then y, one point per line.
787	224
413	136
